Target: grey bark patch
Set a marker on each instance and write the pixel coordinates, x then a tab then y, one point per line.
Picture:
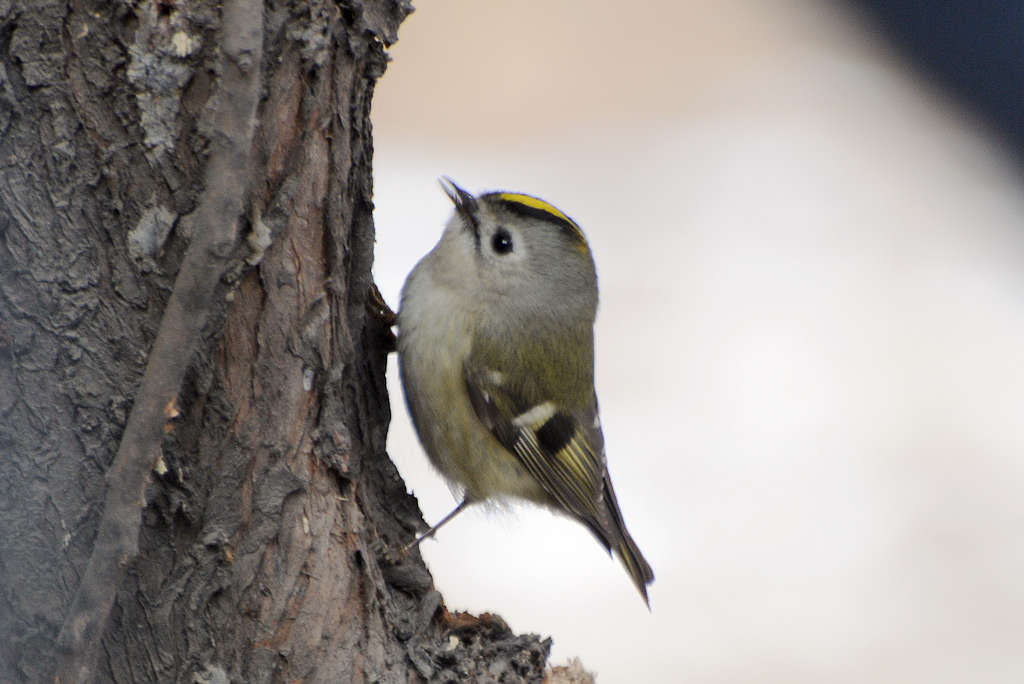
148	236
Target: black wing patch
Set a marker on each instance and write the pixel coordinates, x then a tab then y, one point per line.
556	433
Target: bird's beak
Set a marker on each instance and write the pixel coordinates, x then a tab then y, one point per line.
459	197
465	203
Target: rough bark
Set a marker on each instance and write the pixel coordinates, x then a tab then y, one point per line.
193	483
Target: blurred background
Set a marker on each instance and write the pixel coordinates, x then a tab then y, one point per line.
810	346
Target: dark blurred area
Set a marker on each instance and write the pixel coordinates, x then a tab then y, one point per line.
973	48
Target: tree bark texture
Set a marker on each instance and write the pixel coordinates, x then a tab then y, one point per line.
193	412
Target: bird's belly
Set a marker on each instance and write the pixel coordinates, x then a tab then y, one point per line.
457	443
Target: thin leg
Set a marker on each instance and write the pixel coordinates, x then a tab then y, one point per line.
433	530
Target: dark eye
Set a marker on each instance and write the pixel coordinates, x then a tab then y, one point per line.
502	241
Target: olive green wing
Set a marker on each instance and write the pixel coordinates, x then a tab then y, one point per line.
562	449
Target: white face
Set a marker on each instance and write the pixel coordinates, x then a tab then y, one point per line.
489	256
504	254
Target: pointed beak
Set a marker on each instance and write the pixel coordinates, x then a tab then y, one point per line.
459	197
465	203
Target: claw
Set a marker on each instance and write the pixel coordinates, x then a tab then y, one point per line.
379	309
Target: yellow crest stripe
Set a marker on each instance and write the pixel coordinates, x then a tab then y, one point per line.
539	205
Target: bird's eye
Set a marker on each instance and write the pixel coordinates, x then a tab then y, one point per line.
502	241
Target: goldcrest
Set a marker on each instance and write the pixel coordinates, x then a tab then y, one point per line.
496	356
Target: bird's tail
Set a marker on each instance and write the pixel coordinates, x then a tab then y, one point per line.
621	542
636	565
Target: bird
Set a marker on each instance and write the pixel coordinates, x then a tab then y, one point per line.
496	358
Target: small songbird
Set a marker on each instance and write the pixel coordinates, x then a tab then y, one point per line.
496	355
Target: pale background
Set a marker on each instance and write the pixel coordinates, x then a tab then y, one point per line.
810	347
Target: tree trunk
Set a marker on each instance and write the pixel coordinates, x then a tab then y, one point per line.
193	482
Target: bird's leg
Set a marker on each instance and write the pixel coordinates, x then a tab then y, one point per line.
433	530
